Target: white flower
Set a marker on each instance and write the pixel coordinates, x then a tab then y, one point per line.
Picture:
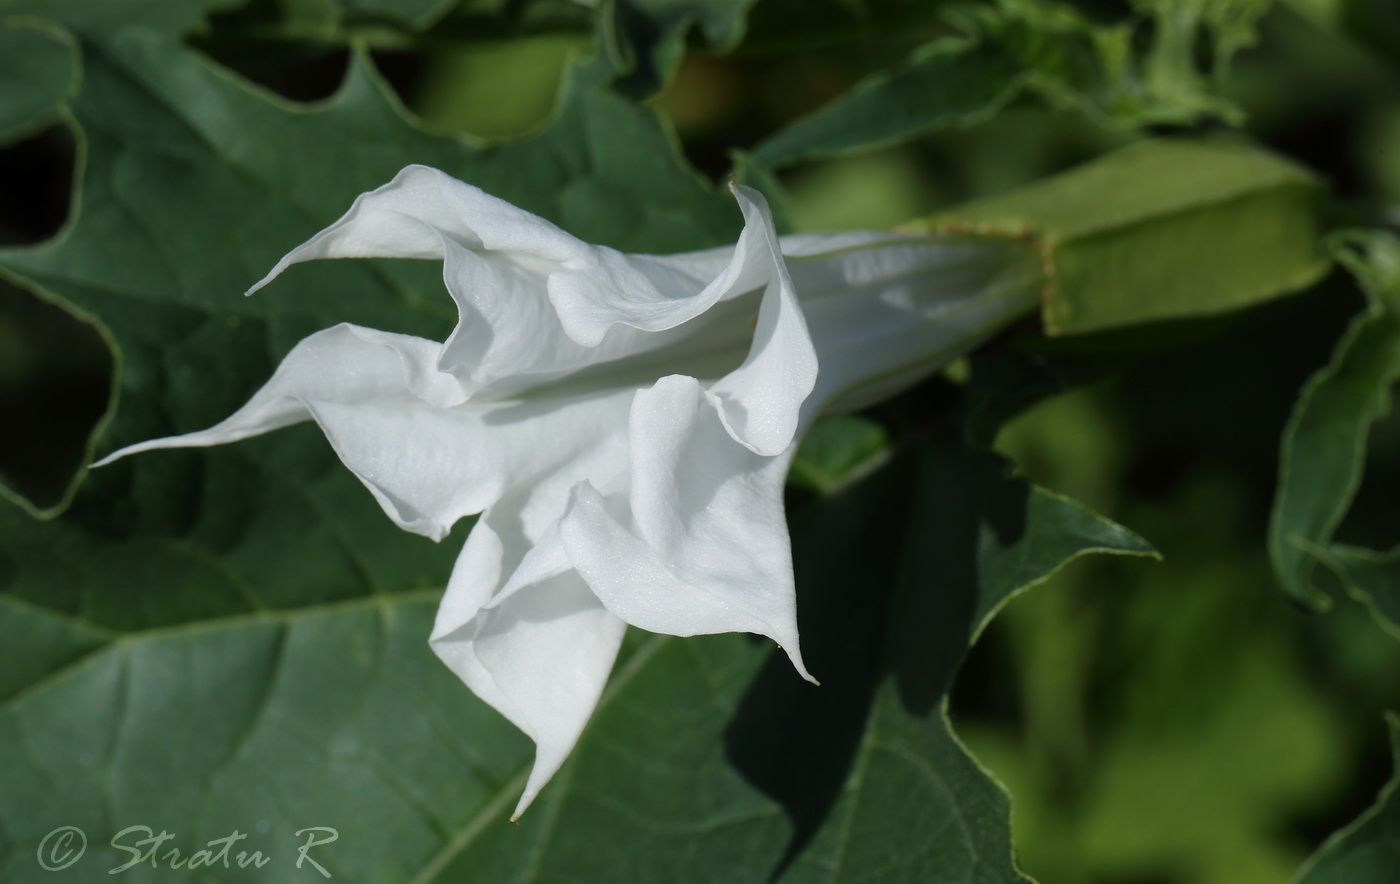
622	423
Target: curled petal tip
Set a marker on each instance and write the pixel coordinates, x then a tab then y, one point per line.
521	806
123	452
796	657
255	287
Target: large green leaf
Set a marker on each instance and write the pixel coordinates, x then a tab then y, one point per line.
1324	445
39	68
1368	850
161	685
1166	229
264	669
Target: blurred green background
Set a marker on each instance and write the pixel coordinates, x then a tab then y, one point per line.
1177	722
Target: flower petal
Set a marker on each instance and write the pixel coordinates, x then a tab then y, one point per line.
536	304
760	402
539	651
500	263
541	658
346	364
412	216
886	312
430	467
427	466
708	550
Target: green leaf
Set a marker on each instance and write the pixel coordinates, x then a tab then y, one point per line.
1043	47
1171	73
95	18
1372	578
250	655
321	21
645	39
1025	533
1324	444
55	384
268	723
500	89
39	67
204	683
921	808
1368	850
837	451
1163	229
947	84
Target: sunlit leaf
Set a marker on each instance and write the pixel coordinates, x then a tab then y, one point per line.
1164	229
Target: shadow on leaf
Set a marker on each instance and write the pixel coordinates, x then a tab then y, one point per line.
888	575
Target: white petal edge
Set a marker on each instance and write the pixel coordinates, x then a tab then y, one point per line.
760	402
346	363
427	466
541	658
501	263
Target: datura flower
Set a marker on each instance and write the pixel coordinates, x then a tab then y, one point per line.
623	424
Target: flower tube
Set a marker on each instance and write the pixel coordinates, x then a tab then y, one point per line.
621	424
